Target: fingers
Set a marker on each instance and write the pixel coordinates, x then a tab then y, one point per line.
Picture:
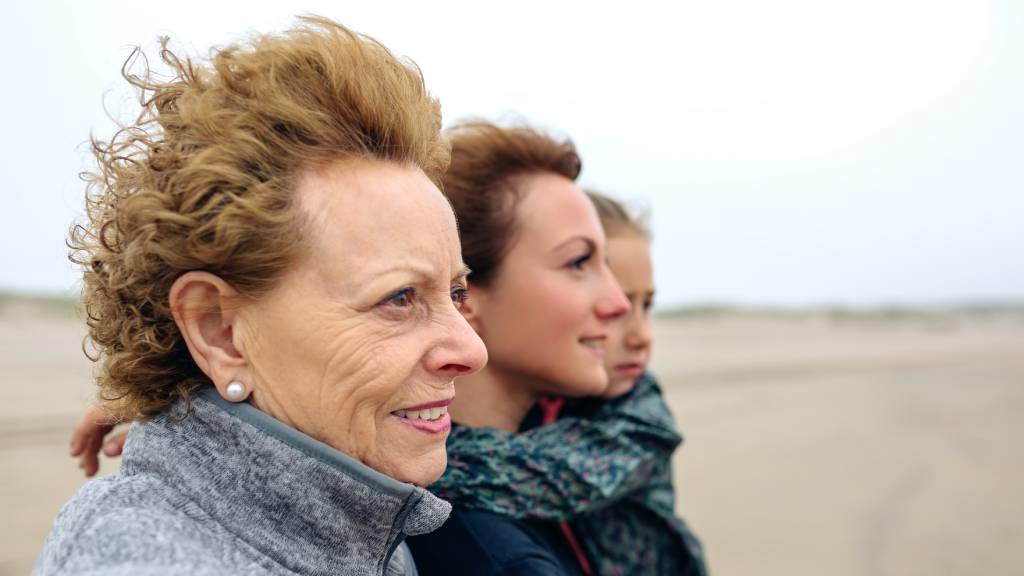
115	445
89	461
88	437
93	419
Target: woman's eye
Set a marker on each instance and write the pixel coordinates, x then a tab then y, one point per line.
579	262
401	299
648	303
459	296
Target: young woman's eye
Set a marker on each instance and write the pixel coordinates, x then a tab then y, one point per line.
459	296
579	262
402	299
648	303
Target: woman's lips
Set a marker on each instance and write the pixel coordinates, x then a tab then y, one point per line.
630	369
430	417
424	406
438	425
594	344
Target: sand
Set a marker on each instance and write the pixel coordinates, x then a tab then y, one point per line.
814	444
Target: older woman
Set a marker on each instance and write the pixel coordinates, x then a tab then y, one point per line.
272	284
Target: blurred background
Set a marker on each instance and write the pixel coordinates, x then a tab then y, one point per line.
836	192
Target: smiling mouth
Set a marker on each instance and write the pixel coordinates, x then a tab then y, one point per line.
429	414
431	418
431	421
594	344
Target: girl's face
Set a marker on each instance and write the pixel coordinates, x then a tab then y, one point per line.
545	317
629	336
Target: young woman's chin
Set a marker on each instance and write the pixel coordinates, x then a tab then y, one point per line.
578	378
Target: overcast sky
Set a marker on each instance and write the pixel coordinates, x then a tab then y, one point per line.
792	152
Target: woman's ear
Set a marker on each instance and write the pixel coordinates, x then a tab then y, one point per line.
205	308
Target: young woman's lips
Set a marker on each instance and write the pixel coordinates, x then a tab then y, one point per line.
594	344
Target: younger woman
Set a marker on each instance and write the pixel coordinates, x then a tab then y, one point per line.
606	467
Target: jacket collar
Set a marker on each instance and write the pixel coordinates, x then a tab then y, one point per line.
300	502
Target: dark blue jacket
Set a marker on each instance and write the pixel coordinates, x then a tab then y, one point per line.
476	543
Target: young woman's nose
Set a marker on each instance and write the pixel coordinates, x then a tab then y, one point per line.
613	302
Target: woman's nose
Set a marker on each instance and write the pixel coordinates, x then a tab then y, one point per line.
613	302
462	352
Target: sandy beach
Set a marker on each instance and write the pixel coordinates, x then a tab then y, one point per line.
816	444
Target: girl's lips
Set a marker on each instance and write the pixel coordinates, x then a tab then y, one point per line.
630	369
439	426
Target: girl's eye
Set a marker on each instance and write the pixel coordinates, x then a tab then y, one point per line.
401	299
648	302
579	262
459	296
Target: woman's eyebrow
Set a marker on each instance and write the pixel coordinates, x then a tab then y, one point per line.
461	273
423	272
591	244
418	267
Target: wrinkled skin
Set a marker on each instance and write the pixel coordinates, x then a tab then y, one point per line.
365	324
369	322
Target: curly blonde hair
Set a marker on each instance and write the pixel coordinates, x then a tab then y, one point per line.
203	179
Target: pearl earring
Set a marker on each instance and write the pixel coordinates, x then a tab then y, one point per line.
236	391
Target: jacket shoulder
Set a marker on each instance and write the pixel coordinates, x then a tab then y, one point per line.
131	525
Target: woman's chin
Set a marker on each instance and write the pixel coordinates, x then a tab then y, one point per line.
421	471
585	381
619	387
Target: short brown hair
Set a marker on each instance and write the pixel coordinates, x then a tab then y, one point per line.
481	184
616	219
204	178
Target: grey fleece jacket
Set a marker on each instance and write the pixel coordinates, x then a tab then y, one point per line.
223	488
